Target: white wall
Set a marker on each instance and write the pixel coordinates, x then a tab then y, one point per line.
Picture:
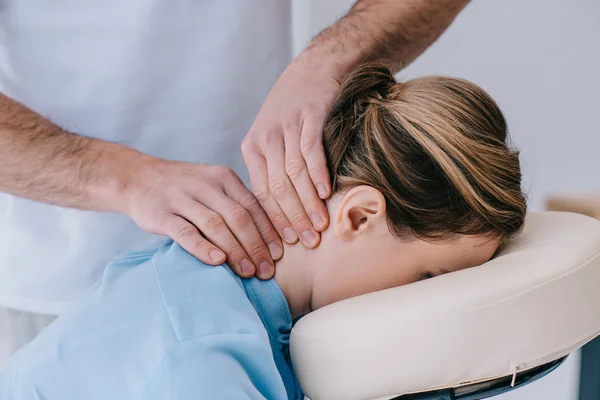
540	59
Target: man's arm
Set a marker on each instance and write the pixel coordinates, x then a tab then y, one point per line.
284	150
42	162
204	208
394	32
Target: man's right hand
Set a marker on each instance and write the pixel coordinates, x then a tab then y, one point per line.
208	211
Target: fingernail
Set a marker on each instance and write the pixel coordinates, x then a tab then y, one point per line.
265	269
317	221
309	238
247	267
322	190
289	235
216	255
275	250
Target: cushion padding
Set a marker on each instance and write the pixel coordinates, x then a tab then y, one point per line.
536	301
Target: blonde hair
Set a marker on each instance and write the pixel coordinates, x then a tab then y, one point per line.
436	148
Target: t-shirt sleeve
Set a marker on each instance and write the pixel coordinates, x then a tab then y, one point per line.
223	366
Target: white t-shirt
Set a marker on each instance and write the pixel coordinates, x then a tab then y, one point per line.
177	79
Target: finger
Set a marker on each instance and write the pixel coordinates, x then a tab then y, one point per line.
257	168
215	229
284	192
242	226
188	237
313	151
237	191
297	171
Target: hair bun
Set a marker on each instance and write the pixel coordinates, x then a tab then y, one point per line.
367	82
365	85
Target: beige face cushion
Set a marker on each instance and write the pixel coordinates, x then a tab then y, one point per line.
536	301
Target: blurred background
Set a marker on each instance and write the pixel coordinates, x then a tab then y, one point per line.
540	60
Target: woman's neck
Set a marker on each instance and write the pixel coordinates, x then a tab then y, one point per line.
293	274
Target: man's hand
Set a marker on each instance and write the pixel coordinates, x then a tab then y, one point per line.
208	211
285	155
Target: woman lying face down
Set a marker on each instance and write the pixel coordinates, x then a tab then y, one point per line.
423	181
424	184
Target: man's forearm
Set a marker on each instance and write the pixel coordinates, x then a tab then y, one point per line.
394	32
42	162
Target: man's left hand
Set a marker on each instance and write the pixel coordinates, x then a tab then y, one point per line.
285	156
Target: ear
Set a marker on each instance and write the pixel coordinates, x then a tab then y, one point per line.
360	209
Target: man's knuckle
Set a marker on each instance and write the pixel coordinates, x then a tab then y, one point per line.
247	144
272	137
267	232
308	145
277	217
316	169
298	220
229	173
291	121
214	221
239	215
294	168
236	249
278	187
250	203
149	227
186	231
261	191
198	245
256	250
222	171
213	169
310	202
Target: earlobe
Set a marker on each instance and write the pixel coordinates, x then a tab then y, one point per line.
360	210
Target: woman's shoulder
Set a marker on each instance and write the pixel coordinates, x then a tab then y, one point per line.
202	299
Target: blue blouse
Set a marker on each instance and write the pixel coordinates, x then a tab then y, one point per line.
162	325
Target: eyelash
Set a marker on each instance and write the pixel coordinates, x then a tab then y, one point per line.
426	275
